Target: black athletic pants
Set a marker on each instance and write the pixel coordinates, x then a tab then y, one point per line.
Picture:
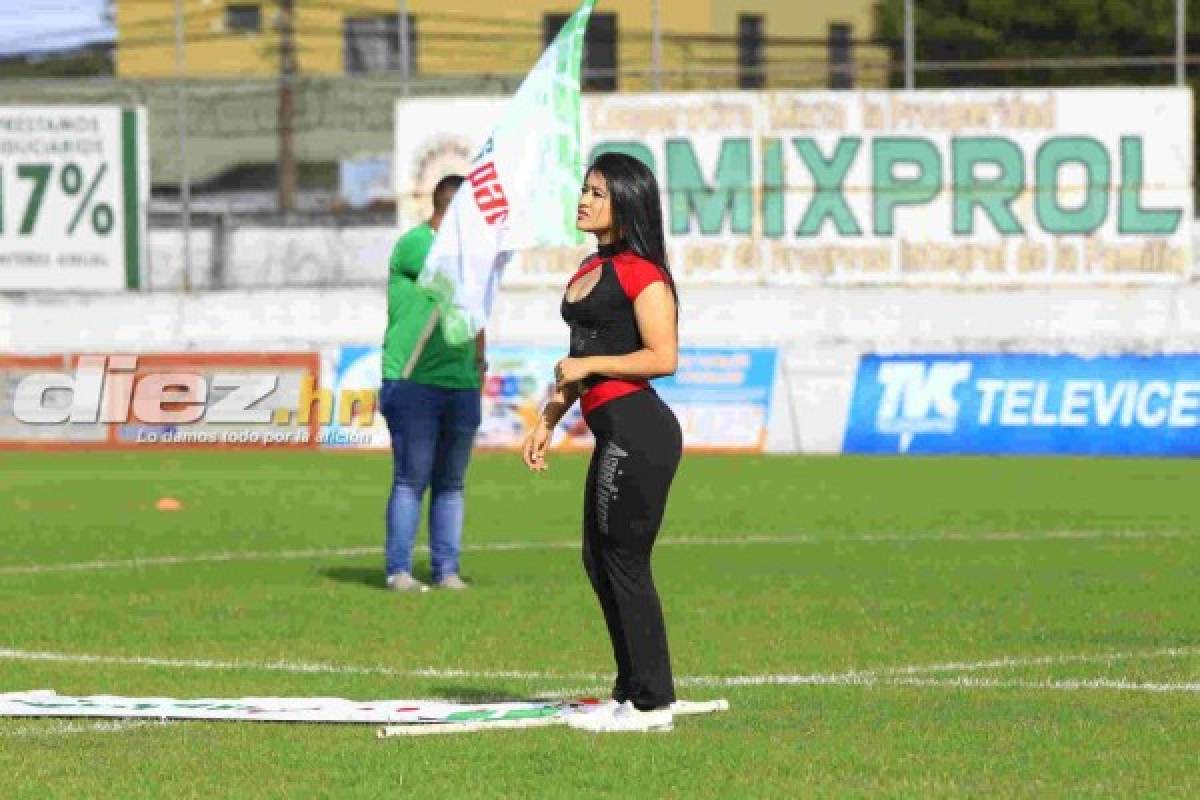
638	447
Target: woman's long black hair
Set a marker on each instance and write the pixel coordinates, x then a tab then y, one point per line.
636	208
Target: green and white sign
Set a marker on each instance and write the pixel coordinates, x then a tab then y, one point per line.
73	189
973	187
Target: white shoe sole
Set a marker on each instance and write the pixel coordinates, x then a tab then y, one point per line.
602	722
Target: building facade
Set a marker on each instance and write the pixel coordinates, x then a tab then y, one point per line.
705	44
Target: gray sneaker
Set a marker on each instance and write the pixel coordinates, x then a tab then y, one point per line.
404	582
451	582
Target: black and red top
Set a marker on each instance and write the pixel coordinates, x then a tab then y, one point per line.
603	322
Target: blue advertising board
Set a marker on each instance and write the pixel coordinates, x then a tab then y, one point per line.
518	384
722	396
1026	404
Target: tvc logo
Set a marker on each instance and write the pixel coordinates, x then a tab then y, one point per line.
918	397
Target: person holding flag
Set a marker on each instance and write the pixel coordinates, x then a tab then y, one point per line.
431	402
519	192
520	188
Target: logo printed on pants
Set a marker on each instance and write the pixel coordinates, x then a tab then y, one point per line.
606	482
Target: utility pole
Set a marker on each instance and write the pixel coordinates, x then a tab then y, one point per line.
656	50
910	45
287	106
402	47
185	178
1180	42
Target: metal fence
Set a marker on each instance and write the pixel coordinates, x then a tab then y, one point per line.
257	250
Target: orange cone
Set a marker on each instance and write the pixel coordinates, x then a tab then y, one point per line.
168	504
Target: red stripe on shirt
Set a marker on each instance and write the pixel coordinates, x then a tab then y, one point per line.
607	391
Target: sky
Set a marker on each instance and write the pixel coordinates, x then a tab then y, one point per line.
41	25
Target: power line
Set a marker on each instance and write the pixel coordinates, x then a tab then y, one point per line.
502	22
169	22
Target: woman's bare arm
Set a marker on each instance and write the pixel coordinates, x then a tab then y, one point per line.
559	404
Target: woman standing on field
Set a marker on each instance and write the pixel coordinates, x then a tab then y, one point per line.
621	308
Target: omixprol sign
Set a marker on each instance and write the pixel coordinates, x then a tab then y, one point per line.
947	187
698	202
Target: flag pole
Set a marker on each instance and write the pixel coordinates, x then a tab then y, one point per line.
423	340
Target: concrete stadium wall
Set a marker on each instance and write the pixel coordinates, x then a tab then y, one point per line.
821	331
267	257
255	256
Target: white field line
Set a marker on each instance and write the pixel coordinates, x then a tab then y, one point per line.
959	682
167	561
7	654
891	674
58	728
1069	685
343	552
898	675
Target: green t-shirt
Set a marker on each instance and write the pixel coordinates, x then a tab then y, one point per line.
439	364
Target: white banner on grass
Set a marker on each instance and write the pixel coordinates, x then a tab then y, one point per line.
46	703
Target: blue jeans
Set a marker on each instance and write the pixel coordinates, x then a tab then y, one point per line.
432	431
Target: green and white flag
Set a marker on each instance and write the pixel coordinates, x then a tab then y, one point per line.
521	190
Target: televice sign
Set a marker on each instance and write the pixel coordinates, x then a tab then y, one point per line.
1031	404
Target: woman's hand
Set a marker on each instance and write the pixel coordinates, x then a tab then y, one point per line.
537	441
570	370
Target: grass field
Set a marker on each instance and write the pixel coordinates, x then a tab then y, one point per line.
904	627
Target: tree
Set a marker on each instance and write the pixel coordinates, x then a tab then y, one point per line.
972	30
86	62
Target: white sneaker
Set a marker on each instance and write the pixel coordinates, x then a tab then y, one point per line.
625	719
403	582
608	707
